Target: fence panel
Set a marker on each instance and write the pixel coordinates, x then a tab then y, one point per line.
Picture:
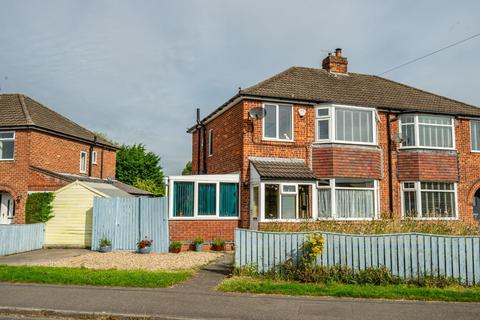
16	238
409	255
125	221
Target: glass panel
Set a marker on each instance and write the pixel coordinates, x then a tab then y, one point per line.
6	135
322	129
207	199
270	130
407	118
340	124
354	125
304	202
288	206
348	125
7	149
285	119
409	185
289	188
438	204
410	203
354	183
183	199
229	199
437	186
433	136
408	135
431	119
322	112
475	135
271	201
324	203
255	205
355	203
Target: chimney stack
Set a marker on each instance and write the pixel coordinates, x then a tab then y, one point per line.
335	63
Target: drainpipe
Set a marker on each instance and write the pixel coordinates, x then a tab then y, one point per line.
390	170
101	165
199	125
90	155
204	136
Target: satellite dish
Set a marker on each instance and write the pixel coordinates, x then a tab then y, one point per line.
257	113
397	138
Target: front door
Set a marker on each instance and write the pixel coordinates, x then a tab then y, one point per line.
7	209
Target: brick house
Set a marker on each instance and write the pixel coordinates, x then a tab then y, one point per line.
40	150
326	143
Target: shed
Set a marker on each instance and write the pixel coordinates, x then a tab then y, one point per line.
71	225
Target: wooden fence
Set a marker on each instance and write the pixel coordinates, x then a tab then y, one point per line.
16	238
407	255
125	221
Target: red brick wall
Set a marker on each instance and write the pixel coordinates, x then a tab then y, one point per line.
187	230
339	161
427	166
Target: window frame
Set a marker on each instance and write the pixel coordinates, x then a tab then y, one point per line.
416	131
277	127
94	157
332	136
471	142
210	142
418	194
14	143
86	161
332	187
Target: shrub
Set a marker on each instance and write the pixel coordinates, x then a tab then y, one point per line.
175	245
218	244
104	242
197	241
39	207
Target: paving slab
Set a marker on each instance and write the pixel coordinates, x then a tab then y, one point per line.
43	255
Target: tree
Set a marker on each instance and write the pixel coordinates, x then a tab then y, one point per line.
188	169
141	168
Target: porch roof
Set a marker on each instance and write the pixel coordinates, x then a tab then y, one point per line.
286	169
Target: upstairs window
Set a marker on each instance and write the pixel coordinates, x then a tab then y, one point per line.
344	124
210	142
427	131
278	122
7	145
475	135
83	162
94	157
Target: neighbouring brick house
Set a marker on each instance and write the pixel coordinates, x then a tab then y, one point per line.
326	143
40	150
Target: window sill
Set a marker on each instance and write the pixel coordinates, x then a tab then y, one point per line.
277	140
359	144
7	160
427	148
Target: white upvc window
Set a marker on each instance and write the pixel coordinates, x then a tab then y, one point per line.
345	124
94	157
429	200
475	135
347	199
83	162
210	142
7	145
278	122
286	201
427	131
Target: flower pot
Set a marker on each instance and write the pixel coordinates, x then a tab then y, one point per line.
105	249
175	250
144	250
199	247
217	247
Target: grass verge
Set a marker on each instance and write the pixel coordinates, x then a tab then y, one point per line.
91	277
397	292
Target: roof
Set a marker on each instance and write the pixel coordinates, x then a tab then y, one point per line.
21	111
288	169
108	189
115	183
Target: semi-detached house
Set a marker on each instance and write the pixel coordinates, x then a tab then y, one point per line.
326	143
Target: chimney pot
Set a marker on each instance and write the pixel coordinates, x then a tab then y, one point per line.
338	52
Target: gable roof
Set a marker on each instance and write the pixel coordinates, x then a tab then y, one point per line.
102	189
313	85
288	169
21	111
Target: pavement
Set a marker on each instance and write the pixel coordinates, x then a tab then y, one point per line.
43	255
197	299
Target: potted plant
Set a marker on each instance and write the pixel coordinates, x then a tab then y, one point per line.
105	245
218	244
175	246
198	243
144	246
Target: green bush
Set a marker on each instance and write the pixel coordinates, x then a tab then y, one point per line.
39	207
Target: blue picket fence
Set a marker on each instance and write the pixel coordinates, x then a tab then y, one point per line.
16	238
125	221
407	255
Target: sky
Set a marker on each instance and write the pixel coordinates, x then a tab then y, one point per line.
137	70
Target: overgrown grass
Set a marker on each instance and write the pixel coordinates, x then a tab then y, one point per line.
83	276
399	292
380	226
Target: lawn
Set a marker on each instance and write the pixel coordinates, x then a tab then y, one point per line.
398	292
84	276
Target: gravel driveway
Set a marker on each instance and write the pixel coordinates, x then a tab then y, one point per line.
132	261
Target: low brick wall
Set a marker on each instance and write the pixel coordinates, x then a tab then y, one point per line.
209	230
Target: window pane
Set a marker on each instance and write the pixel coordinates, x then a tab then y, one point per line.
322	129
271	201
7	149
229	199
304	202
433	136
437	186
348	125
183	199
323	182
288	206
324	203
340	124
354	183
475	135
6	135
408	134
410	204
207	199
256	202
355	203
445	120
285	119
270	130
322	112
407	118
438	204
354	125
289	188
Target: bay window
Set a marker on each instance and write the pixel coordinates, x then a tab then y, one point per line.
475	135
347	198
278	122
427	131
344	124
429	199
7	145
287	201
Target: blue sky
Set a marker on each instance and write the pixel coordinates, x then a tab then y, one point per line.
137	70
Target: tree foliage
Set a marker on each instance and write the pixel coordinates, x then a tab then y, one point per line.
141	168
39	207
188	169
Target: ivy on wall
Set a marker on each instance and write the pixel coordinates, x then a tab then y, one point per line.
39	207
